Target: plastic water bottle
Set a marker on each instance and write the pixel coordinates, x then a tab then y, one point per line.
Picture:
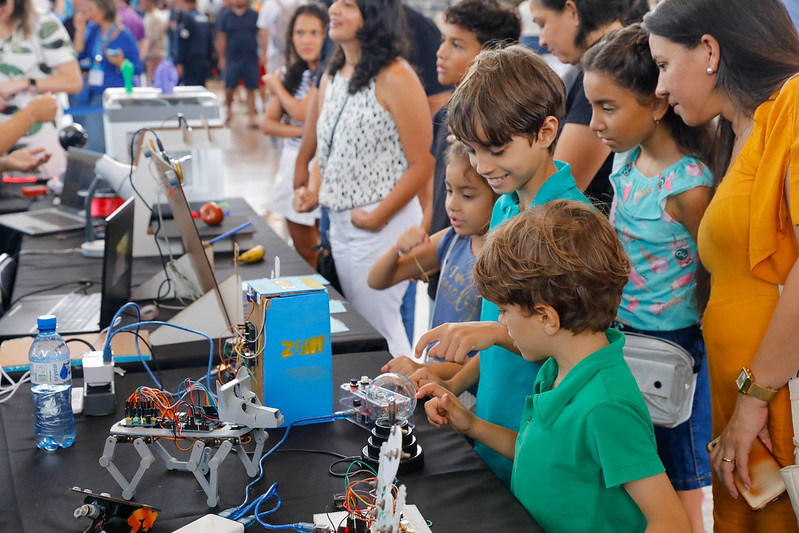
51	380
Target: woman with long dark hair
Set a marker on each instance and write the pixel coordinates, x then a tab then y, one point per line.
568	29
737	60
373	135
292	89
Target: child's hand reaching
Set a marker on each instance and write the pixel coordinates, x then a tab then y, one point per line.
402	365
458	339
445	409
423	376
413	237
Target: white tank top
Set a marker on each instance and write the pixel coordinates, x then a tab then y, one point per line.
363	159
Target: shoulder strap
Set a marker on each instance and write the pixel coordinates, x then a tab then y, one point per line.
340	111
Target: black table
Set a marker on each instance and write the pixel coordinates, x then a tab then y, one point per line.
454	489
36	272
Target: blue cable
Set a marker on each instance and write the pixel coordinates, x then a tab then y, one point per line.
137	325
242	510
107	355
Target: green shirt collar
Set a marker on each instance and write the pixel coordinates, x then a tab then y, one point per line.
558	185
548	403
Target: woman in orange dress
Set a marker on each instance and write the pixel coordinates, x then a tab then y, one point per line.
737	59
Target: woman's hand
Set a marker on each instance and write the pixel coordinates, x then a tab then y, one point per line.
749	420
272	82
24	159
12	87
366	220
305	200
79	20
117	58
42	108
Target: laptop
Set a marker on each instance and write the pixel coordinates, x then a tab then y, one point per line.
84	313
67	216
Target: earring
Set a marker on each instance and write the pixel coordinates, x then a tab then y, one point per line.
710	70
657	120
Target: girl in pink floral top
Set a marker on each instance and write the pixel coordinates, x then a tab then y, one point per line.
661	191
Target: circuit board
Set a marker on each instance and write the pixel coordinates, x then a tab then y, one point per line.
412	520
145	414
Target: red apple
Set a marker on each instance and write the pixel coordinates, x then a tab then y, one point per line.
212	214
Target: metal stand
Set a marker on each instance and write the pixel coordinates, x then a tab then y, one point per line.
202	462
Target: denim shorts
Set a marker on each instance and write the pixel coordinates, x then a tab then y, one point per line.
682	448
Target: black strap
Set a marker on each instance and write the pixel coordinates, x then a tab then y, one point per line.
335	124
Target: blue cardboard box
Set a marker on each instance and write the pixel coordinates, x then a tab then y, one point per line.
295	369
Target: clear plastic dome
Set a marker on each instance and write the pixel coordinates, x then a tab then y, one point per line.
389	391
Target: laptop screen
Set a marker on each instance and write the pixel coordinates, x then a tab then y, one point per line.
117	261
78	176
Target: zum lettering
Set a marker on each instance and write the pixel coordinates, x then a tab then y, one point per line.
311	346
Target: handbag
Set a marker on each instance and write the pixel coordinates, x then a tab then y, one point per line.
326	266
664	371
790	473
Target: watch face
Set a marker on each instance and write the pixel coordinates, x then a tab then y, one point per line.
742	381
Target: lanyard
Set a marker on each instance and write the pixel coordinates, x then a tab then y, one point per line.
101	44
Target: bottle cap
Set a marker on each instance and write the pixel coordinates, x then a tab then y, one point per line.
46	322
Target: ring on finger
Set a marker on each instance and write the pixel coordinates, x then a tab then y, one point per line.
728	460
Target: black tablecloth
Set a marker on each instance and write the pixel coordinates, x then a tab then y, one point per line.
454	489
36	272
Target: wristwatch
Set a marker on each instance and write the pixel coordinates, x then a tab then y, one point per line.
747	385
32	84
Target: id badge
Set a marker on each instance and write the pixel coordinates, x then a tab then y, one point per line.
96	76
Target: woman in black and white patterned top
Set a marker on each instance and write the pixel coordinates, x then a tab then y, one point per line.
373	152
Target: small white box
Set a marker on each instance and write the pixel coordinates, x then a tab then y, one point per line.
95	371
212	523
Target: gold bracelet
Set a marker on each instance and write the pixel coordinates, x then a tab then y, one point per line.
424	274
33	122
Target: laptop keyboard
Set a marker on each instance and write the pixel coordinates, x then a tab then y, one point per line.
78	312
59	219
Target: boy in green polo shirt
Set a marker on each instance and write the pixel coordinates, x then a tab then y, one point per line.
506	110
585	458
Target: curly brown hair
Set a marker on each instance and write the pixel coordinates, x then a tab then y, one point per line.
563	254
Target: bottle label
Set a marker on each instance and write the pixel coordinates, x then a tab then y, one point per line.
50	373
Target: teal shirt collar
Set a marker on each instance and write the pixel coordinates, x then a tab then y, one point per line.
559	185
548	403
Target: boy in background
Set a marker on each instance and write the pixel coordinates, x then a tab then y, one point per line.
238	55
585	458
469	25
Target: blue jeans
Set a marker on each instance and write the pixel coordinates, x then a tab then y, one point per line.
682	448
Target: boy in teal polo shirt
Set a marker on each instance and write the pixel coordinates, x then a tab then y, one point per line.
585	458
506	110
